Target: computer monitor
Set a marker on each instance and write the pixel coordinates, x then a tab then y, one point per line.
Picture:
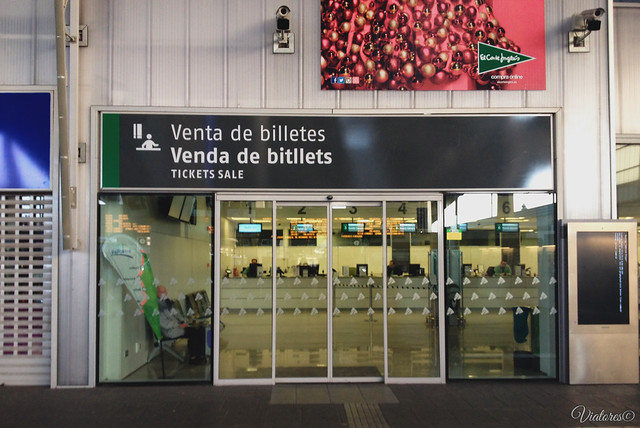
415	270
362	270
467	269
518	270
308	270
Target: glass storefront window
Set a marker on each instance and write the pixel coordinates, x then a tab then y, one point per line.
154	287
500	285
628	183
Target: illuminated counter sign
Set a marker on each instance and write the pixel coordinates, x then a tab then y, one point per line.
407	227
304	227
454	234
302	231
250	227
351	228
507	227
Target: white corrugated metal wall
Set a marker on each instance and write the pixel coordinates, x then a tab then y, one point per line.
217	54
627	64
26	247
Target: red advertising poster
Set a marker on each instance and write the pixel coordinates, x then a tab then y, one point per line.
433	45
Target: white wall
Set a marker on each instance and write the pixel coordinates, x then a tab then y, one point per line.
217	54
627	64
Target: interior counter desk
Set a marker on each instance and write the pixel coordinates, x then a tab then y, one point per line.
361	293
501	292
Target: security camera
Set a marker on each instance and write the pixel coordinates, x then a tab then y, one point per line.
283	18
329	197
283	38
588	20
595	13
582	24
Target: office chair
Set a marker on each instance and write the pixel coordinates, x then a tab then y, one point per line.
159	347
165	345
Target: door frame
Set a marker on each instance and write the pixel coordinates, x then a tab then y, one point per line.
327	199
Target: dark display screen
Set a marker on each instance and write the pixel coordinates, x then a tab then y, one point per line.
603	277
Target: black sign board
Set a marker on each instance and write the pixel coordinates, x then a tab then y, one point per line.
194	151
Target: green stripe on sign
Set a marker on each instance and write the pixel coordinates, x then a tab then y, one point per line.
110	150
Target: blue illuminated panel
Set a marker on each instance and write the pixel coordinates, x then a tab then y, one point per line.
25	140
250	227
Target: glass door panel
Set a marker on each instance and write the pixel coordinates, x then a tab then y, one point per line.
301	292
357	291
246	236
412	289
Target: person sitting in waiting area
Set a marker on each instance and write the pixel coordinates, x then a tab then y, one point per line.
503	269
173	326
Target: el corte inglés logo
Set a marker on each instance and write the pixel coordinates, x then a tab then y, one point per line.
493	58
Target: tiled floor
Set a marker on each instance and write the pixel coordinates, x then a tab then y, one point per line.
456	404
332	394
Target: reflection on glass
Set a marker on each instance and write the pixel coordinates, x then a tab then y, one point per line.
627	180
246	236
358	342
412	289
301	293
500	285
154	291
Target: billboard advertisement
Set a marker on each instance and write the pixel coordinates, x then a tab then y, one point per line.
25	140
433	45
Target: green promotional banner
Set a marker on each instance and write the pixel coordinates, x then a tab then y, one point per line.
134	269
150	306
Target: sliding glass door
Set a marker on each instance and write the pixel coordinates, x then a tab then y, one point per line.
328	291
301	349
357	289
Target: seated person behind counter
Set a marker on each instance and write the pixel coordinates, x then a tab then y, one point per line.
503	269
392	269
174	326
251	271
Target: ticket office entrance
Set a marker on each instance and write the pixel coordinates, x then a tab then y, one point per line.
324	289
